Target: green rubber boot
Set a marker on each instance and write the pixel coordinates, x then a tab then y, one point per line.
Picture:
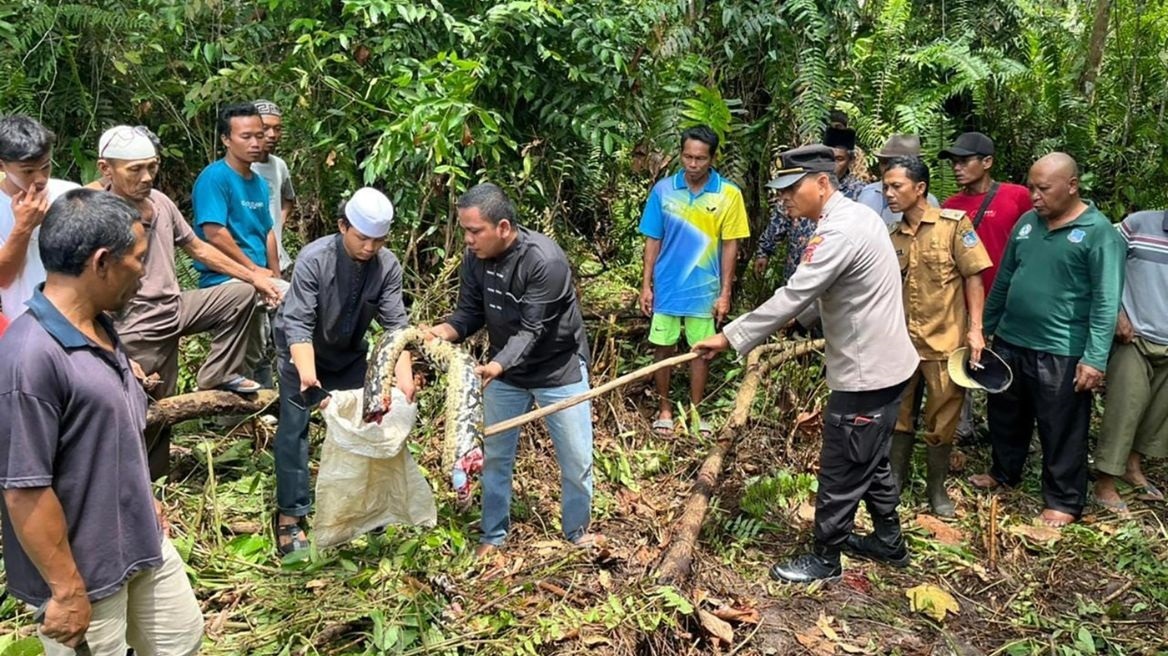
938	469
899	458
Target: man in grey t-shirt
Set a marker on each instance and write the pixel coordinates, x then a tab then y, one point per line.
83	535
849	276
274	171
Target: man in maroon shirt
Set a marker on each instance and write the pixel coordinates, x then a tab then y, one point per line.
993	207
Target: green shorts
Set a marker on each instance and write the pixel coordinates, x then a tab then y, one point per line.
666	330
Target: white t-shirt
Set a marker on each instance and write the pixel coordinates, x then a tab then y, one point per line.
12	297
275	173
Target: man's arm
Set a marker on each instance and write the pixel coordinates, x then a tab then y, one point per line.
298	319
729	264
39	524
820	267
469	316
1106	262
219	237
652	252
28	211
214	259
975	304
995	304
273	254
285	210
547	284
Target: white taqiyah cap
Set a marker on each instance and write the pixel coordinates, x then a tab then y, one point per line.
126	142
370	212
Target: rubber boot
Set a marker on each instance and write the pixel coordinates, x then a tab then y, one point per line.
884	544
823	563
938	469
899	458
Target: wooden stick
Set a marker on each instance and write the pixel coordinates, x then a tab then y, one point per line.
208	403
539	413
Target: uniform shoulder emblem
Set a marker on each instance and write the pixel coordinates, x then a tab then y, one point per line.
952	215
809	249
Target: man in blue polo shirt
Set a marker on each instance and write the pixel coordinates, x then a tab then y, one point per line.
231	213
692	223
84	539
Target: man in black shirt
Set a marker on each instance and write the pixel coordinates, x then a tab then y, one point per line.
517	283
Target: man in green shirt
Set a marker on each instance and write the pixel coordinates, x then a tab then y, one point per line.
1052	311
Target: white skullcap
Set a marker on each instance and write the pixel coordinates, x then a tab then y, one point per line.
370	212
125	142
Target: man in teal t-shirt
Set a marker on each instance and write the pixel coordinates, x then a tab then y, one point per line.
231	213
692	221
1052	312
231	201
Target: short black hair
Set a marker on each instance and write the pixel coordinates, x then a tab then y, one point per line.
491	202
80	223
228	112
24	139
914	168
701	133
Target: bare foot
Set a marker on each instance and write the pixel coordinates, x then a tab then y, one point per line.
484	550
984	482
1054	518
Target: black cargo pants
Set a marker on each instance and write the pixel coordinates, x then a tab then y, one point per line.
853	462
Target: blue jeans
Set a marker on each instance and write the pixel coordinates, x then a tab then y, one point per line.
293	488
571	432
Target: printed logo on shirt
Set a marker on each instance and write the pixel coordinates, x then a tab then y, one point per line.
1076	235
969	239
252	204
1024	233
809	250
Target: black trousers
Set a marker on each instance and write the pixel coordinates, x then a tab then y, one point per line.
1043	392
853	463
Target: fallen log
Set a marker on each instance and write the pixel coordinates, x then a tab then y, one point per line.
675	563
210	403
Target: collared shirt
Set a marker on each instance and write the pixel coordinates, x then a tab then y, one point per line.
333	299
225	198
13	297
73	416
1145	290
1008	205
275	173
155	307
526	300
872	195
935	260
850	271
687	276
1058	291
796	231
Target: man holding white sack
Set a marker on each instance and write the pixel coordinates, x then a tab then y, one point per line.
340	284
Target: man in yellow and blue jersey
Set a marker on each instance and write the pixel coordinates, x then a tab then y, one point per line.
692	223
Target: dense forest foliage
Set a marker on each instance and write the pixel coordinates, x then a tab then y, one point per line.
575	106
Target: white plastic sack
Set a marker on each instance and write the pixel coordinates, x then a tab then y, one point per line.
367	477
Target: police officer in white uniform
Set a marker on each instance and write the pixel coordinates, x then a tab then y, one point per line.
849	278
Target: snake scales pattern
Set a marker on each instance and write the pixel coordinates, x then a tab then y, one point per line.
463	413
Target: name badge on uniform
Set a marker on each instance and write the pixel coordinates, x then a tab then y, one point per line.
1024	233
1076	235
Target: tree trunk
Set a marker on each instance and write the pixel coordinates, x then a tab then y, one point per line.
211	403
675	563
1095	47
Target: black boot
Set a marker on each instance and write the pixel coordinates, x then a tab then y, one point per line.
899	459
823	563
938	469
884	544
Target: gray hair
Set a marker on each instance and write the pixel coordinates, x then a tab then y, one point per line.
490	201
24	139
82	222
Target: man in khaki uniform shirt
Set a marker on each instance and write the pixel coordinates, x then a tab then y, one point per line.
849	277
941	259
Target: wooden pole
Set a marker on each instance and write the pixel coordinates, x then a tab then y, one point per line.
675	563
539	413
175	409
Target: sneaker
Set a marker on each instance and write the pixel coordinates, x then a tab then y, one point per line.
806	568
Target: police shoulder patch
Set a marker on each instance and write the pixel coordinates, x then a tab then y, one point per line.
969	239
953	215
809	250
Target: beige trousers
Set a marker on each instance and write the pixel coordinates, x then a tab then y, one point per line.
155	613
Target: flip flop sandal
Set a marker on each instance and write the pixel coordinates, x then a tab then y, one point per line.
1117	507
1148	493
663	426
298	541
241	385
705	428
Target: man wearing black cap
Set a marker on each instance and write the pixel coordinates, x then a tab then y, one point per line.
842	141
848	276
993	207
898	145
